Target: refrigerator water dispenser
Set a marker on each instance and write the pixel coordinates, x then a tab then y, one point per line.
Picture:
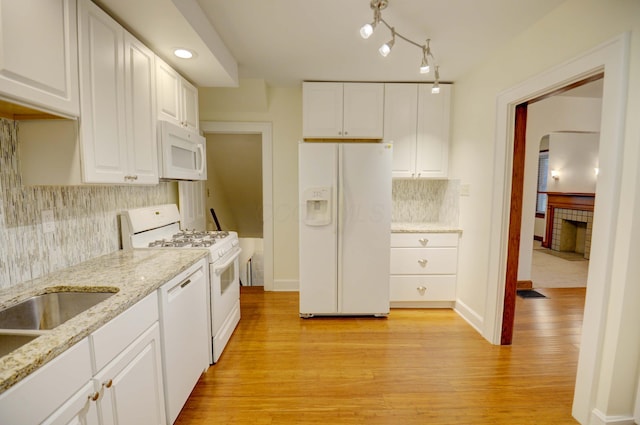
318	206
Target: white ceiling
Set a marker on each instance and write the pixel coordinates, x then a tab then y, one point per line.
288	41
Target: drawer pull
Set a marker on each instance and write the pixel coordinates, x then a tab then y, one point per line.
422	262
421	289
95	396
108	384
423	241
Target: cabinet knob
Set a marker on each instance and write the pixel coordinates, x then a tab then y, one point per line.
423	241
419	174
134	177
346	132
421	289
95	396
339	133
108	383
422	262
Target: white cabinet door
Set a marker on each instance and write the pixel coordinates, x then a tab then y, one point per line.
342	110
38	54
400	124
363	105
80	409
140	93
177	98
168	92
189	105
322	110
432	156
132	386
102	124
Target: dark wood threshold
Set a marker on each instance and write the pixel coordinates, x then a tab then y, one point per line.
524	284
538	238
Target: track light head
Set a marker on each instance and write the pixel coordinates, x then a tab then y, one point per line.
435	88
385	49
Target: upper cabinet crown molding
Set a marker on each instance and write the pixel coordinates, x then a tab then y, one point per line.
39	56
342	110
417	123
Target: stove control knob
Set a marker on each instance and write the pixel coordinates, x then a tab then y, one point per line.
235	243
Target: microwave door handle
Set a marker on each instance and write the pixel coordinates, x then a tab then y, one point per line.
219	269
201	150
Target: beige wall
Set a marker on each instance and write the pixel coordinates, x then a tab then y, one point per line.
254	101
571	30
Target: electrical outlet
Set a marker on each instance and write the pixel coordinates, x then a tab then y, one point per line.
48	224
465	189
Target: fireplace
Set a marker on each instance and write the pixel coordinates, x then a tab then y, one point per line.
569	222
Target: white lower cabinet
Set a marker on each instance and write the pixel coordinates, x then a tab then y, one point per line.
131	390
423	269
114	376
80	409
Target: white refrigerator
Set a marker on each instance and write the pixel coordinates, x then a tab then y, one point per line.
345	228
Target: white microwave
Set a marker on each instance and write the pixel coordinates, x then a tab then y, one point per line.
182	153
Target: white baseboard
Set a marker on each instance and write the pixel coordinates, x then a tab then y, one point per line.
470	316
599	418
284	285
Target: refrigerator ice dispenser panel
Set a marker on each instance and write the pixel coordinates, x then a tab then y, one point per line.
318	206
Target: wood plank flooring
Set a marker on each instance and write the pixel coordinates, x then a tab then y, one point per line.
415	367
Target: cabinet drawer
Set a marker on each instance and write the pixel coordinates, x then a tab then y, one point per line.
112	338
422	288
423	240
424	260
47	388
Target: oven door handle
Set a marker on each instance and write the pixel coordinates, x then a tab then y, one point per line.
219	269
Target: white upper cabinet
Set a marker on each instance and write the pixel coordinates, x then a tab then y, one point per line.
417	123
117	126
343	110
38	54
177	98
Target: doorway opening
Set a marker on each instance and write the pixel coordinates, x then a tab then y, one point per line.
568	200
252	207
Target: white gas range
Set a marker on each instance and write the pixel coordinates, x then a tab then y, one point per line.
159	226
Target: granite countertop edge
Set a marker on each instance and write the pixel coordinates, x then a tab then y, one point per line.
423	227
133	274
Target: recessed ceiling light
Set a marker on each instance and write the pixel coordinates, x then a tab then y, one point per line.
183	53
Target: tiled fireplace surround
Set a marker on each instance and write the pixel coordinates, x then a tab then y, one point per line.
565	213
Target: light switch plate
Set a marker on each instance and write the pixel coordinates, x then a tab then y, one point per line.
465	189
48	224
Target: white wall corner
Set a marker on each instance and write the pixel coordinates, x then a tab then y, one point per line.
470	316
599	418
285	285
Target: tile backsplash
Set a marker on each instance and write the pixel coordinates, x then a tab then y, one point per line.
425	201
85	217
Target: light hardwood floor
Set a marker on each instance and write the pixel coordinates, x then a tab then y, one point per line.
415	367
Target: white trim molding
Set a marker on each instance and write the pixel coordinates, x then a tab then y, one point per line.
599	418
470	316
612	58
286	285
265	130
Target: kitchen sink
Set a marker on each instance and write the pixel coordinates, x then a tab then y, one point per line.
46	311
10	342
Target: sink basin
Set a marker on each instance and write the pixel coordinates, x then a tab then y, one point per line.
9	342
46	311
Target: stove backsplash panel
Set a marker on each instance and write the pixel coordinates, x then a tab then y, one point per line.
426	201
86	224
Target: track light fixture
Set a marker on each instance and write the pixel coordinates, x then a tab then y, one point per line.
367	29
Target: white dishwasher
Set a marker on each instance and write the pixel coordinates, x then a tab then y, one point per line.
184	334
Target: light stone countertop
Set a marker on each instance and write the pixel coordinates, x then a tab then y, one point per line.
134	274
424	228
